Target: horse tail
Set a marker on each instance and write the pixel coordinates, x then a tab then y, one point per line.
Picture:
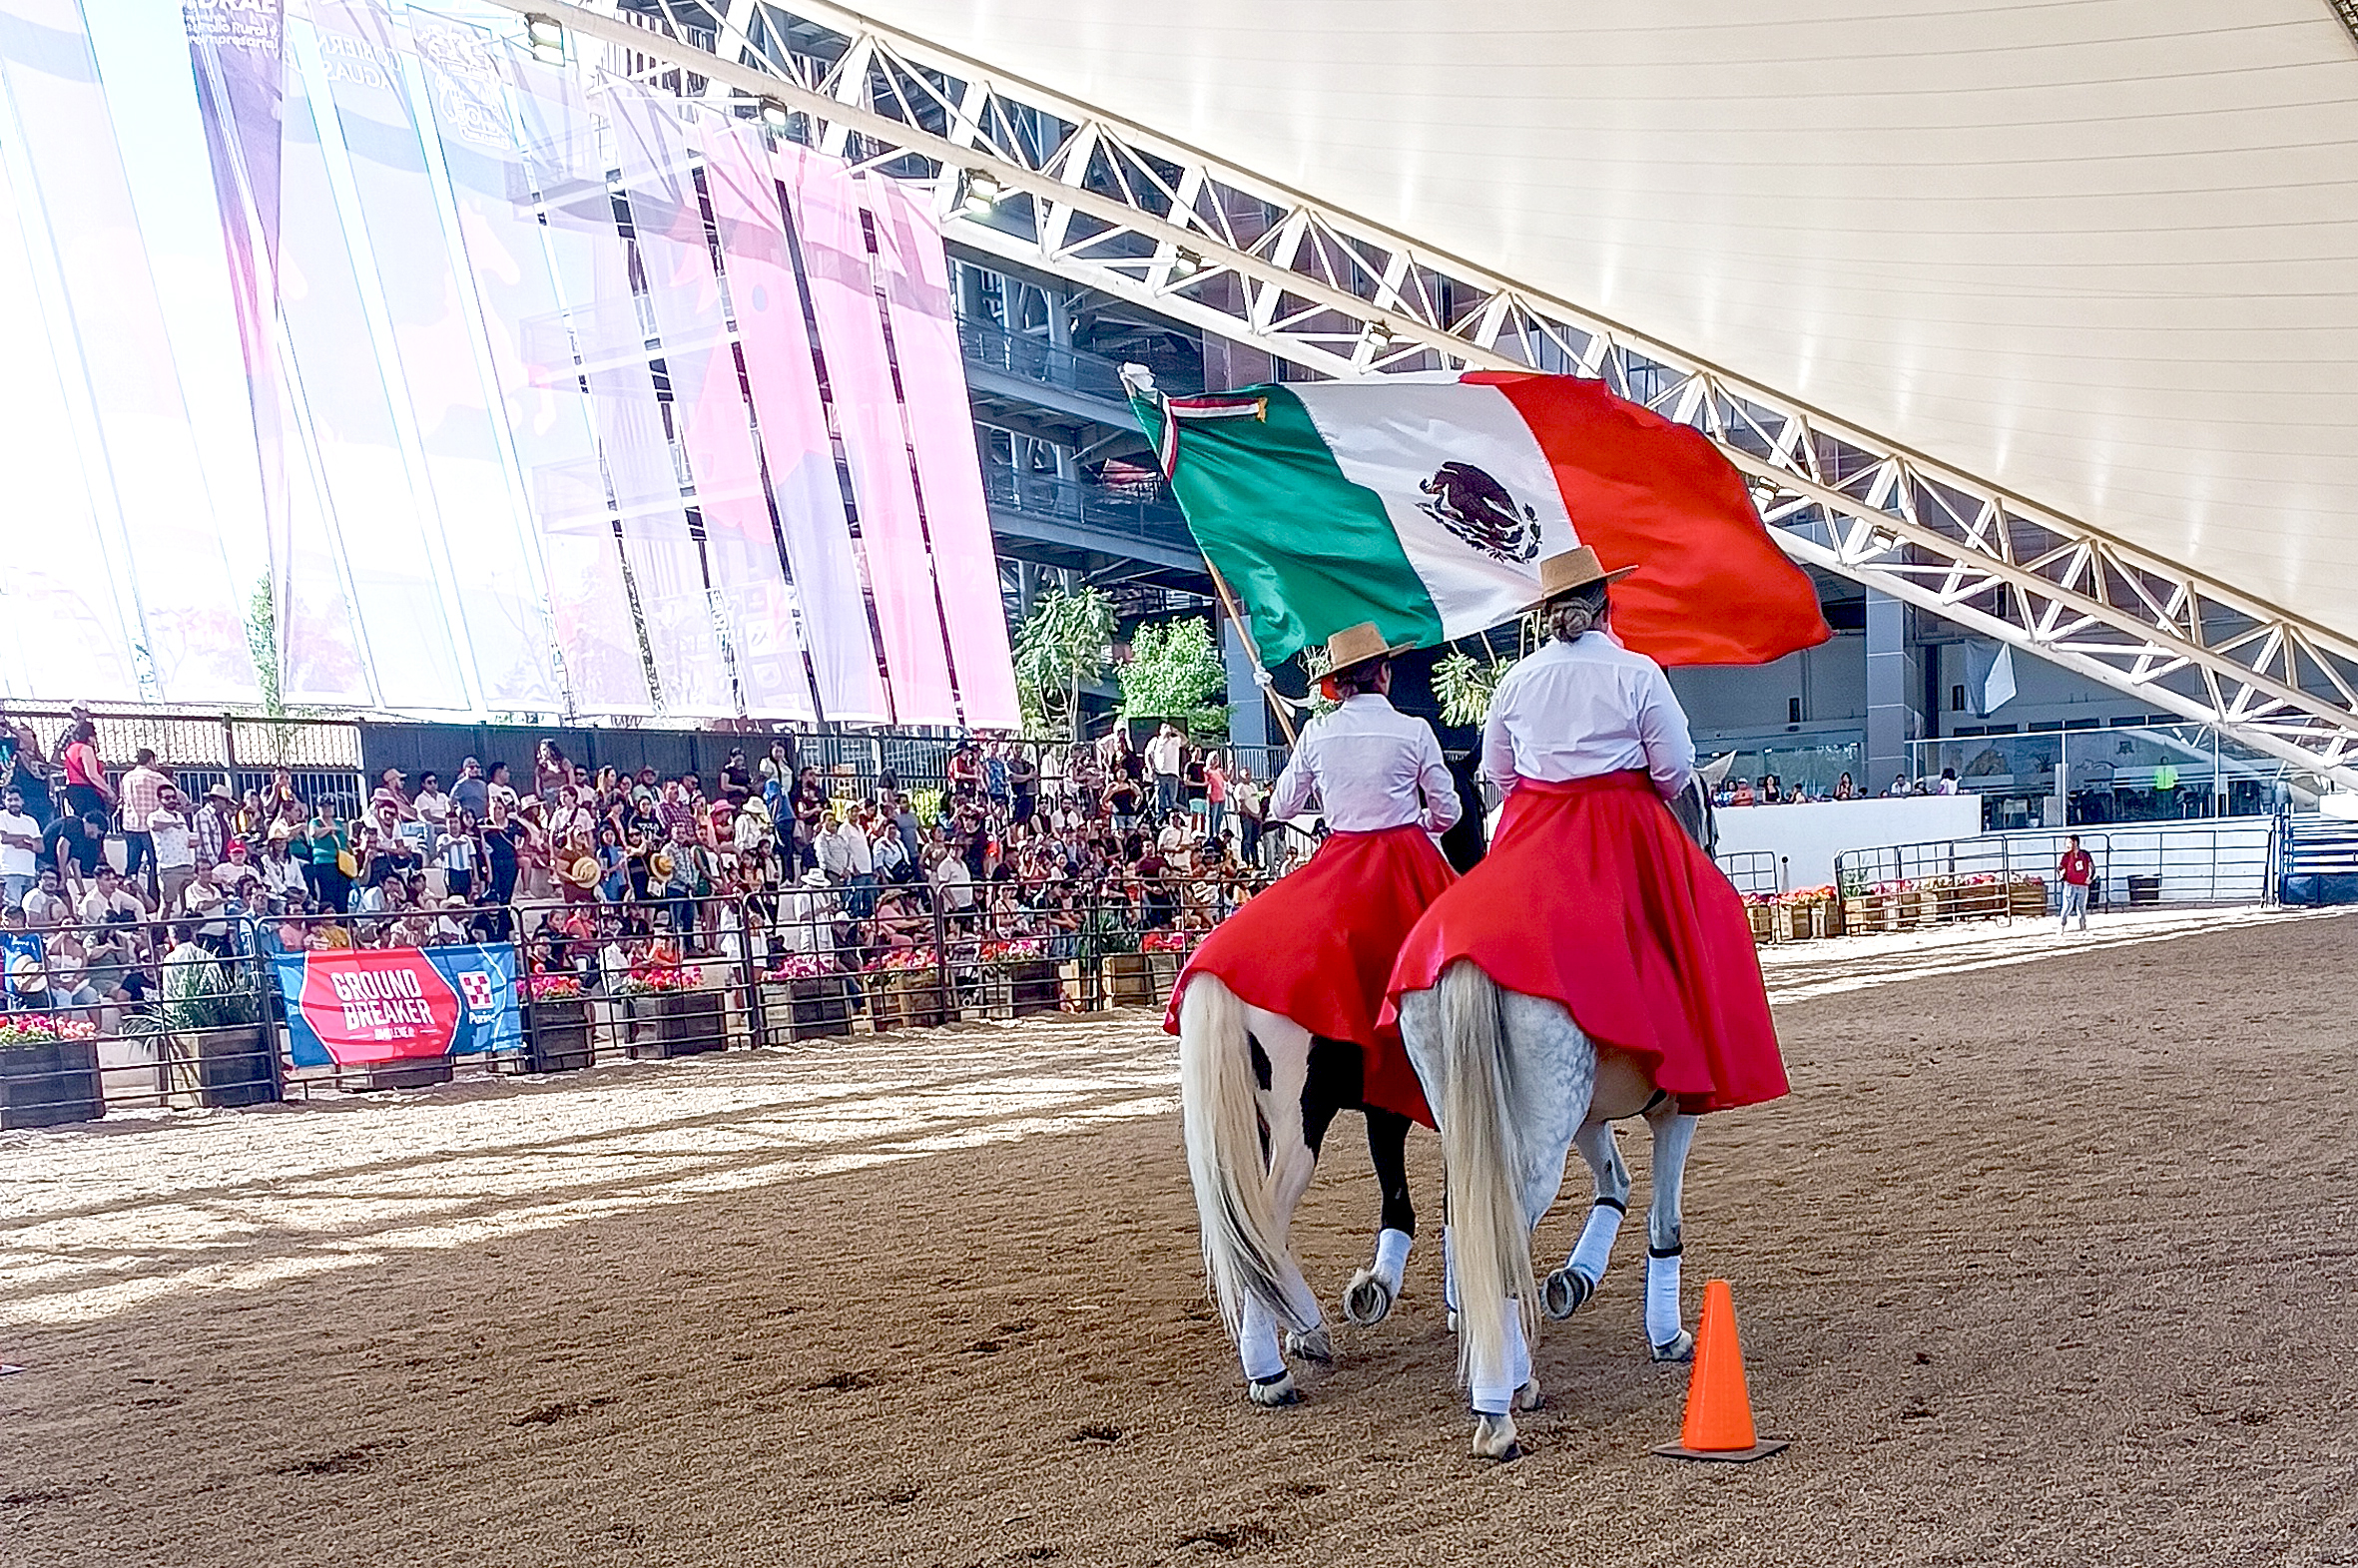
1221	1115
1490	1243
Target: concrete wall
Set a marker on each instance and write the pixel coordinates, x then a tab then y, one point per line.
1806	839
1755	700
1751	705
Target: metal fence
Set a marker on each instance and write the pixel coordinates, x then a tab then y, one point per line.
2229	863
187	1013
318	759
1753	872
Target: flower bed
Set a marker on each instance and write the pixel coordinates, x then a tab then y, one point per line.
48	1072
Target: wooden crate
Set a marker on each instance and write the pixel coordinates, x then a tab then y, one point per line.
557	1038
1129	980
907	1000
817	1008
50	1084
674	1023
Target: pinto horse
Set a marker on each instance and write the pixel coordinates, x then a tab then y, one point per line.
1257	1095
1515	1086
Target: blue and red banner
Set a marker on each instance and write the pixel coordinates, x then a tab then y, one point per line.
353	1006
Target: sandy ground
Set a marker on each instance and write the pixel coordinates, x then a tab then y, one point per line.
2049	1260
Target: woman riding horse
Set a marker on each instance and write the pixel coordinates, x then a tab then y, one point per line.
1277	1016
1595	965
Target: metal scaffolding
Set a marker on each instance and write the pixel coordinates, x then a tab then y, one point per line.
1068	189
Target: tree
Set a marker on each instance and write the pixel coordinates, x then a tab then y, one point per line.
262	641
1064	644
1175	671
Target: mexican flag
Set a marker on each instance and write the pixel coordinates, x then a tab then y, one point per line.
1425	505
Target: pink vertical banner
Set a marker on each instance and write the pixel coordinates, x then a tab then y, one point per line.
499	601
236	55
468	75
62	632
188	611
915	275
823	198
601	328
709	410
797	448
358	507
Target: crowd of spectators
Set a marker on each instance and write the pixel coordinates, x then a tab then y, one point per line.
1773	791
1060	844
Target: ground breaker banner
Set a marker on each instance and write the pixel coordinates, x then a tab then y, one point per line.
356	1007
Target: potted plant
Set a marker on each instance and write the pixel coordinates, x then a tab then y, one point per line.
1022	978
669	1013
48	1071
806	998
2026	898
1107	945
904	989
1164	952
1761	910
557	1030
217	1051
1859	909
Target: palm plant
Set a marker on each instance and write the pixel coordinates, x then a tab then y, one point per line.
1064	644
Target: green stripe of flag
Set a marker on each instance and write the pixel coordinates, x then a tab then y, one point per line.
1305	551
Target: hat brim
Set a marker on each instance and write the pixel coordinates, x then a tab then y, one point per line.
1613	576
1394	652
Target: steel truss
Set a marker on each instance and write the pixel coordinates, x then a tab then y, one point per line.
1057	186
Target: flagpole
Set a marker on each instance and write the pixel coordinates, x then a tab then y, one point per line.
1285	720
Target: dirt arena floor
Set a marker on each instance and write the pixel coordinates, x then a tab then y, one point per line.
2047	1260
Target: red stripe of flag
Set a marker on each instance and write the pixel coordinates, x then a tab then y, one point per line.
1711	586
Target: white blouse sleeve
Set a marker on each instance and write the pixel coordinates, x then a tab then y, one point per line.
1662	728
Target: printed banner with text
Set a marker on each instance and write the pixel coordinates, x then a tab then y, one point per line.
385	1004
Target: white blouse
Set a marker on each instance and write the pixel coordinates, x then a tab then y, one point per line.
1372	767
1580	708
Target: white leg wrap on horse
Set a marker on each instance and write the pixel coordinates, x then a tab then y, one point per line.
1449	1271
1597	1241
1498	1397
1661	1299
1256	1346
1391	1258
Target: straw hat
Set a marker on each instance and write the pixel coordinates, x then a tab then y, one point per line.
583	872
1560	574
1356	644
27	975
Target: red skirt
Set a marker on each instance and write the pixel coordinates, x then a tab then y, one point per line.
1594	896
1319	945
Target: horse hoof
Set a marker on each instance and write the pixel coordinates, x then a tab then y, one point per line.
1271	1392
1367	1301
1528	1398
1310	1346
1494	1438
1682	1348
1564	1292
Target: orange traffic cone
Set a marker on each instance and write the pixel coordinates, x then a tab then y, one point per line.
1718	1411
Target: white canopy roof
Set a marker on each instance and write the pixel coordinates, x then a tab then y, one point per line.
2103	253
